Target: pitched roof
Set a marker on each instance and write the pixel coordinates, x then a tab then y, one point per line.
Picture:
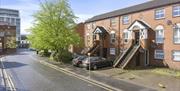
102	29
132	9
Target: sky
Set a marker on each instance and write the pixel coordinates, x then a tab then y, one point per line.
83	9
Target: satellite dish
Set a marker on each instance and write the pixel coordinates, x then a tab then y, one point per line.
169	22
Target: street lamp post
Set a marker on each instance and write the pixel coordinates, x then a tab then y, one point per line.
89	54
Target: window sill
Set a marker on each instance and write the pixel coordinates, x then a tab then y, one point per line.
160	18
176	43
174	16
176	60
158	59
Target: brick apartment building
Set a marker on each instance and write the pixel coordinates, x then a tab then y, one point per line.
79	30
7	38
140	35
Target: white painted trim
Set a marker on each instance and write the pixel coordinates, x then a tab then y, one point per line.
137	24
98	30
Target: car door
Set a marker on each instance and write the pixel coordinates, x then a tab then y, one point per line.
102	63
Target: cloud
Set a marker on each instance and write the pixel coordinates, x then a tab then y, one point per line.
83	17
26	8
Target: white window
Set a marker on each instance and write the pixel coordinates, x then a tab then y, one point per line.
125	36
88	26
159	54
176	56
125	19
113	51
177	35
159	34
93	25
113	37
160	13
113	22
176	11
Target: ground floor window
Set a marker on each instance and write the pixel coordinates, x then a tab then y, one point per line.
176	55
112	51
159	54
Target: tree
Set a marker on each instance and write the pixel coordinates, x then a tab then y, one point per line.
53	28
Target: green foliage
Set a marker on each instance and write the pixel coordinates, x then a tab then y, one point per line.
11	42
54	27
63	56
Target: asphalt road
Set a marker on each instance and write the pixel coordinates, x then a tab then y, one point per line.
29	75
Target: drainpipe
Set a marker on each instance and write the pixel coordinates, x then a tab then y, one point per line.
101	45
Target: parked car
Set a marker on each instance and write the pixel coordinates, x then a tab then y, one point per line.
96	62
78	61
32	49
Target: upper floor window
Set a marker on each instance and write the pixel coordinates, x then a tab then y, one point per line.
159	54
176	55
159	34
159	13
88	26
125	19
125	35
93	25
177	34
113	37
94	37
176	11
113	22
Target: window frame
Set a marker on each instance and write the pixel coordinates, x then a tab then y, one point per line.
89	26
158	54
124	20
173	11
113	22
159	42
177	36
93	25
125	37
173	55
155	14
112	39
112	51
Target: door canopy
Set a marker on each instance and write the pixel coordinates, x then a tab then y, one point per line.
99	30
137	25
141	26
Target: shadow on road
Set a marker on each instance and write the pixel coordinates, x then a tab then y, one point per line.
8	65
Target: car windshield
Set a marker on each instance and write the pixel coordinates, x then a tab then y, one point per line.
81	57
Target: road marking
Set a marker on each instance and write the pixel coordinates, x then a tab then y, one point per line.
70	73
94	82
8	80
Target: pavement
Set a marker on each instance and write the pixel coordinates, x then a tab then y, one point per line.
98	76
143	77
30	75
115	77
30	72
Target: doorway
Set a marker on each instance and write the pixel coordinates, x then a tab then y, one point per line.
138	59
137	35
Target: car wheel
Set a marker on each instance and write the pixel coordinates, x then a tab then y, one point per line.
94	67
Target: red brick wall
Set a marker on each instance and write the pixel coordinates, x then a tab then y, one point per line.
148	17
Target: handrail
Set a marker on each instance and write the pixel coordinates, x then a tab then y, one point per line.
125	62
122	55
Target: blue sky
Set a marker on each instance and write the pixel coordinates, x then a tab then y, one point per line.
83	9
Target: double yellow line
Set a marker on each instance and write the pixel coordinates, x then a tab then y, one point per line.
91	81
9	85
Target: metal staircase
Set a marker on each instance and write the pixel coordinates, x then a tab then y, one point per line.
93	49
123	60
129	56
122	56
